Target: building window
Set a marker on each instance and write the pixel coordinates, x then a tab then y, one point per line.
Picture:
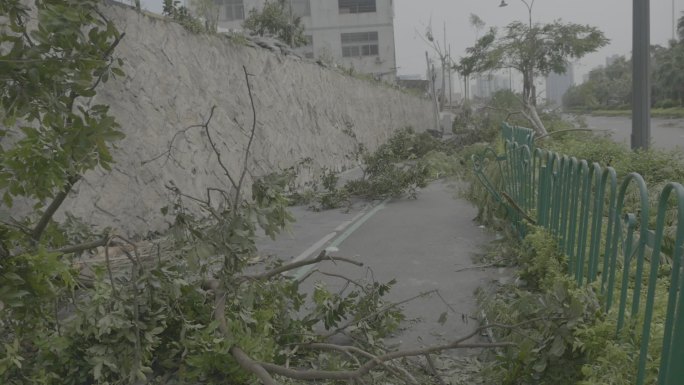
232	9
300	7
360	44
356	6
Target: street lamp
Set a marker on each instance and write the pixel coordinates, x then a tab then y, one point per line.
528	5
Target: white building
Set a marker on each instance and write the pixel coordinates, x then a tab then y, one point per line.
356	34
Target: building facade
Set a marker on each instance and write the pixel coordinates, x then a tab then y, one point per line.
487	85
558	84
356	34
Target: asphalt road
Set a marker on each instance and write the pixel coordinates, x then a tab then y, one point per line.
421	243
666	134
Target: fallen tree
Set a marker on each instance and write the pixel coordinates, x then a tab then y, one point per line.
189	306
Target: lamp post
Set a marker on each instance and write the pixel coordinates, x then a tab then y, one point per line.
528	5
532	90
641	85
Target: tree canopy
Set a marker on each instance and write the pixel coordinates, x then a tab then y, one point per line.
276	18
534	50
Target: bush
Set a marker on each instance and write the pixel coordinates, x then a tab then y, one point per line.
276	19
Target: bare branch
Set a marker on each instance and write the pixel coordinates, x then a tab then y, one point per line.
310	375
216	151
82	246
568	130
251	138
291	266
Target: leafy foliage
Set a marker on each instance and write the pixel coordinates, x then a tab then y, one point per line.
48	75
570	339
548	309
610	87
184	17
172	310
533	50
277	19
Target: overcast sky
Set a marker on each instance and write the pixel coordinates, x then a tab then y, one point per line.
613	17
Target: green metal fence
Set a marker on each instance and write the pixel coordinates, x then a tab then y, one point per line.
604	228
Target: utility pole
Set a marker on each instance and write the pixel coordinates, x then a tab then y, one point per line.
450	81
641	87
431	78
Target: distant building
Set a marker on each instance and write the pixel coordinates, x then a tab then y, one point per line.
488	84
357	34
558	84
414	82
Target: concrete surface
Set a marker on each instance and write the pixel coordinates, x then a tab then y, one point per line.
174	77
666	134
419	242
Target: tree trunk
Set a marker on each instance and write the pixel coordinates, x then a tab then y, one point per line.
531	114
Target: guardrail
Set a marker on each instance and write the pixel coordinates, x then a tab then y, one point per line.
603	229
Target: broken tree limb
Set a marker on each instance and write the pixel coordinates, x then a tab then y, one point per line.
312	375
291	266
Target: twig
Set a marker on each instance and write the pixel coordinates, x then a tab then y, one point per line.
518	208
308	375
215	149
433	370
135	261
168	151
106	55
279	270
342	277
562	131
353	349
81	247
251	139
474	267
14	223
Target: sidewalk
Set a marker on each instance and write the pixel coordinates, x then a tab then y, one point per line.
421	243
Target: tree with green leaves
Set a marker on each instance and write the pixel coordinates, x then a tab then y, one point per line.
534	49
51	132
276	18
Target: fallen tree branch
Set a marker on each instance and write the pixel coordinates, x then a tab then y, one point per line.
349	350
311	375
291	266
376	313
433	369
474	267
81	247
562	131
252	366
517	208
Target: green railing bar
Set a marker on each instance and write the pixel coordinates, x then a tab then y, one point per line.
570	198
